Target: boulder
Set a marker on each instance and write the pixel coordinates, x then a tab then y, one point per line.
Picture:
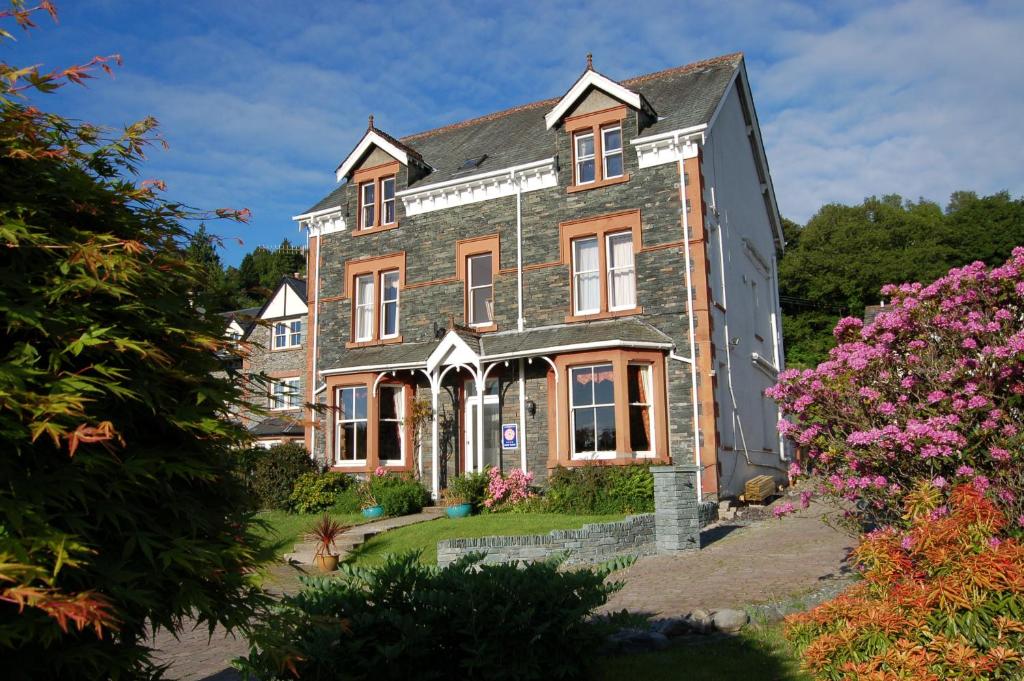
672	627
637	641
700	621
730	621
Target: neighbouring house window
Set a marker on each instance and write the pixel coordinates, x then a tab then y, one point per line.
638	384
586	276
288	334
364	308
284	393
592	395
368	204
389	304
350	434
387	204
611	149
621	272
585	166
480	289
391	416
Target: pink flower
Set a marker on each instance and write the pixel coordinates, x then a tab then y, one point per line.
783	509
994	542
907	543
380	471
939	482
805	499
965	470
981	483
999	454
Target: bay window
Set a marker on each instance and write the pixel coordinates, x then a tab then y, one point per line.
638	390
351	428
593	411
390	442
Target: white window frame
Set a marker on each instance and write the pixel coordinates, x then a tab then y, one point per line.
287	400
385	302
597	453
580	159
384	201
358	305
576	273
648	378
471	287
284	330
339	422
363	205
605	155
400	421
612	269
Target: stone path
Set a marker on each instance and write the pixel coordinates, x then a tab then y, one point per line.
355	536
195	656
772	560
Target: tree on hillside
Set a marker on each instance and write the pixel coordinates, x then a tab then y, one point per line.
214	293
839	261
261	270
119	512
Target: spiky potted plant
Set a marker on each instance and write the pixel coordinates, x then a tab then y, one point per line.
324	533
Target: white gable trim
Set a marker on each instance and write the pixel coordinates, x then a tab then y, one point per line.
285	303
663	148
586	81
371	138
326	221
452	350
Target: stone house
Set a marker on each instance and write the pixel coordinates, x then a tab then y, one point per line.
513	290
274	364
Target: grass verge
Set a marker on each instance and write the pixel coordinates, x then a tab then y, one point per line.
423	537
284	529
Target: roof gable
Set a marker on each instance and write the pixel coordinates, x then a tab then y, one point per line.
591	79
373	137
288	300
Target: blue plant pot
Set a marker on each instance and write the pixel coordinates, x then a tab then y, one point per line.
459	510
373	512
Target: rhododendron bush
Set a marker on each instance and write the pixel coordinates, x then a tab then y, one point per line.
930	391
943	599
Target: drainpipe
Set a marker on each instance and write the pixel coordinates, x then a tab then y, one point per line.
520	322
689	315
316	334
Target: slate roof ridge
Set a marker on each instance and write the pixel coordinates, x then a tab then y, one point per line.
635	80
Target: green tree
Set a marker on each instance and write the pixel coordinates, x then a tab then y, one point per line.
213	293
118	510
261	270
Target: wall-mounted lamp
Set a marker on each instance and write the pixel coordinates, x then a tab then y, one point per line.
531	407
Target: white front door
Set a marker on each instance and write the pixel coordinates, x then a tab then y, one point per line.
491	450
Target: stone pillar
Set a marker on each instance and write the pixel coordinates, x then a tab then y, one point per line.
676	511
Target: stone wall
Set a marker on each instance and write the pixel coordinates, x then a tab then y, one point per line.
677	512
590	544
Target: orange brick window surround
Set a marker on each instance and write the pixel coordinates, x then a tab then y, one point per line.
587	133
464	250
371	419
374	269
376	189
600	229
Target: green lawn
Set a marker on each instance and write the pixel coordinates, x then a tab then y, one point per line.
759	652
285	529
424	536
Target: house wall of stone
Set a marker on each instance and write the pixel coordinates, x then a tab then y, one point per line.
262	359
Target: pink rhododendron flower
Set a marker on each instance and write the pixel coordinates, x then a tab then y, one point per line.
999	454
965	470
783	509
939	481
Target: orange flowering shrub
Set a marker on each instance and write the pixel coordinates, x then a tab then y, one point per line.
942	600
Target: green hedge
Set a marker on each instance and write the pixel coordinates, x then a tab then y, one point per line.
271	474
398	494
403	620
597	489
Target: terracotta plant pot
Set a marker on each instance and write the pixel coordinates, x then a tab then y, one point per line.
373	512
459	510
326	563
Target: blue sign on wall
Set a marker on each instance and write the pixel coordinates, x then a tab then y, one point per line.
509	436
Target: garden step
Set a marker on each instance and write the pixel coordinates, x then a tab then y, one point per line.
353	538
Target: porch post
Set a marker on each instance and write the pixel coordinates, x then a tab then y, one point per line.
478	445
522	414
434	440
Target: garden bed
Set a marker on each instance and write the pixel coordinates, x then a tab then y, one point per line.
424	537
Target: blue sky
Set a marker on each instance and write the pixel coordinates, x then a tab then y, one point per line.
261	100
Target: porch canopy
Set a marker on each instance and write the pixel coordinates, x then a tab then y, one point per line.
479	354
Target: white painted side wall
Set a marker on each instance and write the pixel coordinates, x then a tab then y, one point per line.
286	303
741	252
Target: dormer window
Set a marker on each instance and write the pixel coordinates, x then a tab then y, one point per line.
387	203
369	203
598	158
377	203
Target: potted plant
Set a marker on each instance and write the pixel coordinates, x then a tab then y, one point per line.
325	532
455	505
371	508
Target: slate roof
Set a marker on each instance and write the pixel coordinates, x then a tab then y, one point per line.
623	330
681	97
278	425
385	355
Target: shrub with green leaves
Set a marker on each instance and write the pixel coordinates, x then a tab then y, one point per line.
316	492
597	489
470	487
119	512
403	620
348	501
398	494
272	474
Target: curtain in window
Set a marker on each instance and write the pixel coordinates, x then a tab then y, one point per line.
622	286
588	285
364	307
390	438
639	389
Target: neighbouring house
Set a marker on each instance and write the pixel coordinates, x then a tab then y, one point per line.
513	290
274	365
